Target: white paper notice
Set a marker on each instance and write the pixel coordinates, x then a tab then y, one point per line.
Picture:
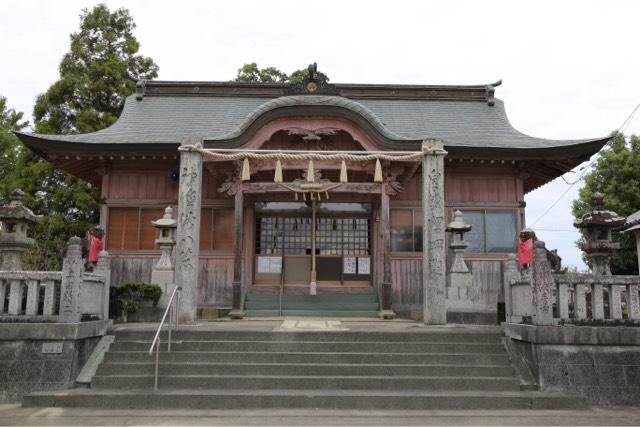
263	264
364	265
349	265
275	264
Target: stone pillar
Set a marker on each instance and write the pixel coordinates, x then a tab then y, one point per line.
637	234
510	274
236	312
434	251
188	234
15	297
103	268
49	297
72	269
543	285
386	312
33	297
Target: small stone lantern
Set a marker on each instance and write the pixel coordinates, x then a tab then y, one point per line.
459	278
598	225
166	226
15	220
162	273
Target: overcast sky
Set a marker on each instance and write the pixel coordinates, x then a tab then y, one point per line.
571	69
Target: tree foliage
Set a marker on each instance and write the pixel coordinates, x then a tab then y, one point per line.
96	75
251	73
616	174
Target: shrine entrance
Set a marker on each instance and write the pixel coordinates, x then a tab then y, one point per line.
327	242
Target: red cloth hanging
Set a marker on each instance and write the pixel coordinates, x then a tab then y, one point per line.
525	251
95	247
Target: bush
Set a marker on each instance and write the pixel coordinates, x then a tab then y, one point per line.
127	297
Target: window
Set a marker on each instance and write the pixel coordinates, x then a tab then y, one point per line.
406	230
493	231
217	229
130	228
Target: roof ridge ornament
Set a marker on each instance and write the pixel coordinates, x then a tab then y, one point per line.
491	89
314	83
140	89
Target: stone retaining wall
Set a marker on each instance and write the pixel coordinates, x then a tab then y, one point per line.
44	356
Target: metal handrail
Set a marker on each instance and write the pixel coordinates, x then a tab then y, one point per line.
171	309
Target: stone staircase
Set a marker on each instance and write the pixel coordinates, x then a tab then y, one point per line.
422	369
321	305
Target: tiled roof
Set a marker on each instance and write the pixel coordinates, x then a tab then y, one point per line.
164	119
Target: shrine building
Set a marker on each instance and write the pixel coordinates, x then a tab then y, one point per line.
315	189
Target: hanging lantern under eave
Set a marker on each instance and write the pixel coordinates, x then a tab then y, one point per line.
377	176
278	175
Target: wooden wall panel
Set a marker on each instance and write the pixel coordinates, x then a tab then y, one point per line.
131	269
480	188
487	283
406	279
214	282
151	185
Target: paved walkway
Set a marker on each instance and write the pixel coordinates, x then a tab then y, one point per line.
16	415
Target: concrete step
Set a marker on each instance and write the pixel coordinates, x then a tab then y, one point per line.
320	298
368	314
249	306
318	347
332	336
352	369
323	382
309	398
307	357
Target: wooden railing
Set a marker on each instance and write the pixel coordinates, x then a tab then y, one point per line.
536	295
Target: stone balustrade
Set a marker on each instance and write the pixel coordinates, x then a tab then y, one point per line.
30	294
540	297
595	297
66	296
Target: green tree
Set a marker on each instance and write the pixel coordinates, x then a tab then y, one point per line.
616	174
251	73
10	148
96	75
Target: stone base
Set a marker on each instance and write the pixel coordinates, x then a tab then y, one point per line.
236	314
600	363
164	279
472	317
386	314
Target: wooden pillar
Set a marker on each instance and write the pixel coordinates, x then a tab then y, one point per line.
385	312
236	312
313	285
433	238
188	232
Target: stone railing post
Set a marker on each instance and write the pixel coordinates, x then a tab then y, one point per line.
543	285
510	275
103	268
72	269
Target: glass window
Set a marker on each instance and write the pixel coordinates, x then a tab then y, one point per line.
501	231
493	231
406	230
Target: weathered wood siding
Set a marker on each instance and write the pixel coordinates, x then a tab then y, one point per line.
131	268
406	273
214	282
487	284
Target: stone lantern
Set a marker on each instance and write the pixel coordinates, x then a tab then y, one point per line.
598	225
459	278
15	220
162	273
